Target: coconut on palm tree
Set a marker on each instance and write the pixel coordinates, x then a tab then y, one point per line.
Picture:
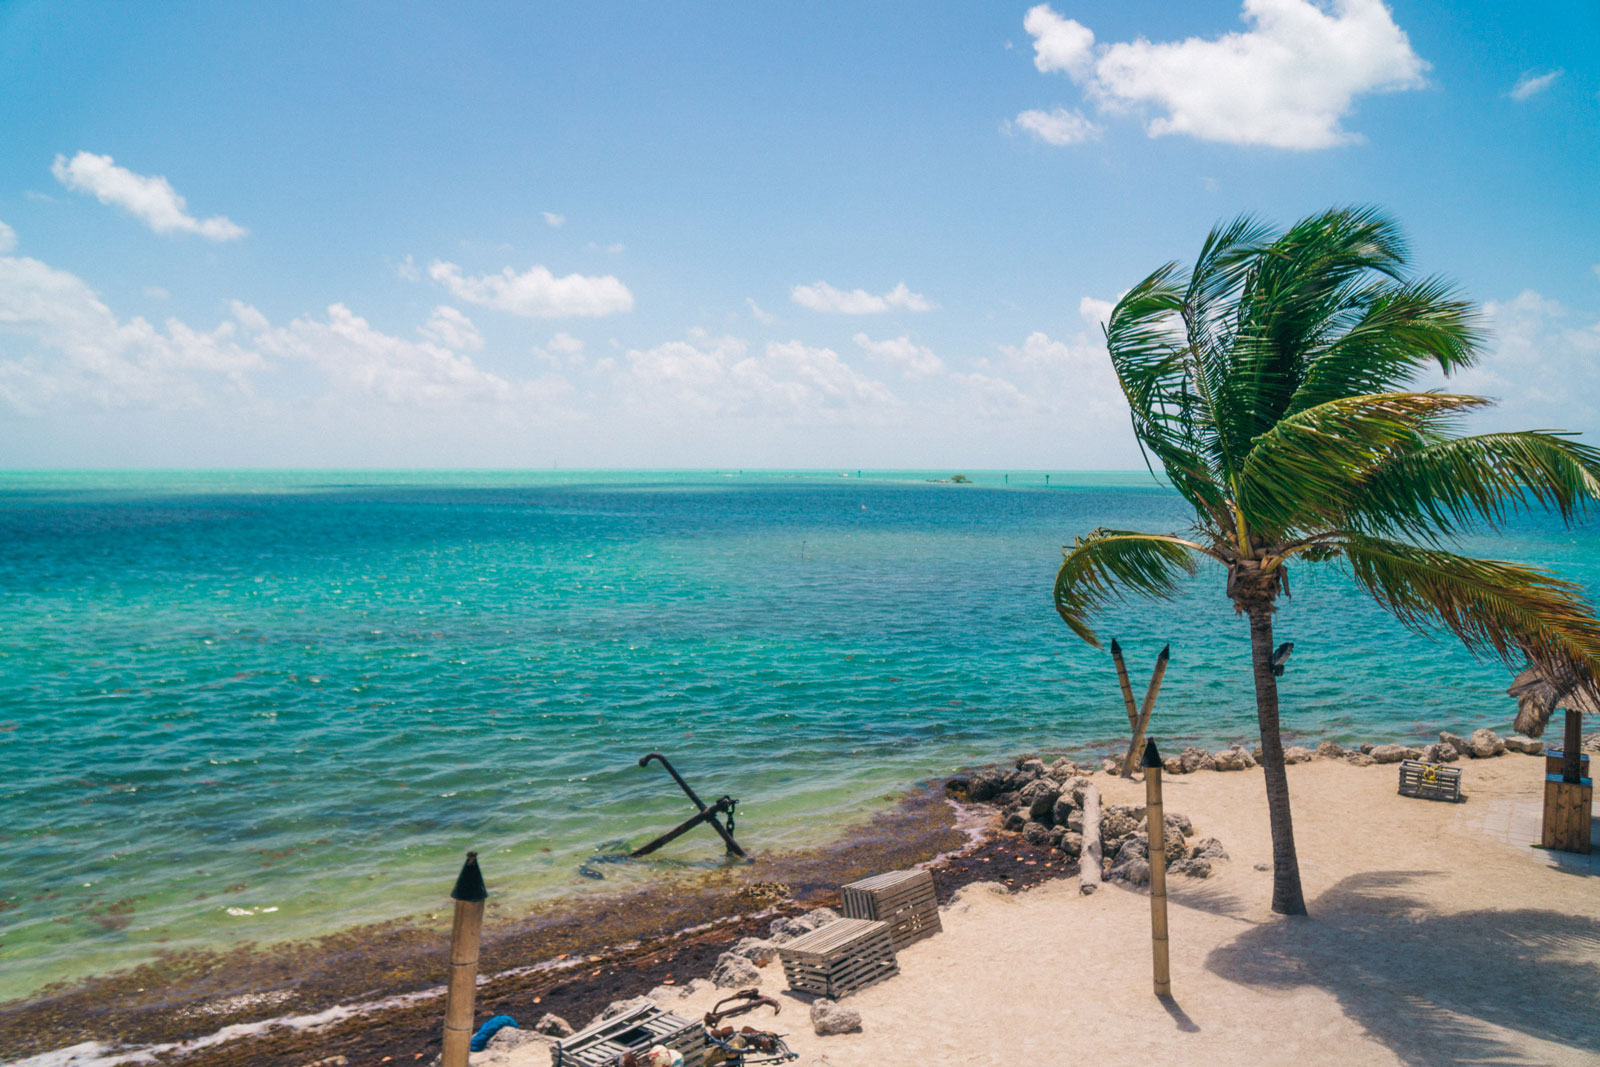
1273	382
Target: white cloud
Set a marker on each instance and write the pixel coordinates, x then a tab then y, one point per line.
706	376
449	327
63	350
67	350
914	360
156	292
766	318
1531	84
823	297
553	219
1057	127
1059	44
537	293
248	316
407	269
994	397
8	239
566	345
1288	81
616	248
152	200
1542	362
358	359
1096	312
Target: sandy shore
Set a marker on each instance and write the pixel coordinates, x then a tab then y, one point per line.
1437	936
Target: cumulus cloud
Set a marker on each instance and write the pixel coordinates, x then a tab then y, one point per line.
1096	312
1531	84
1059	44
821	296
62	350
536	293
65	349
1057	127
449	327
709	376
766	318
1542	362
358	359
1288	81
566	345
914	360
8	239
150	199
553	219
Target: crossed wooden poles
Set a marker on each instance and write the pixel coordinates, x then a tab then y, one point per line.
1138	719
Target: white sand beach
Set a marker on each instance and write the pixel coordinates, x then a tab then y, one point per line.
1437	935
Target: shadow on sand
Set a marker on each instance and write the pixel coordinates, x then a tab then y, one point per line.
1426	985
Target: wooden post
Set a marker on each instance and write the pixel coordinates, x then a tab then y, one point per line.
1137	746
1155	819
1572	748
1089	857
469	894
1127	686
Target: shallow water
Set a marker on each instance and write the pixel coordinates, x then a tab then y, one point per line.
260	706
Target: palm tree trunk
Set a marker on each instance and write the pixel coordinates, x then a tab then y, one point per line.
1287	899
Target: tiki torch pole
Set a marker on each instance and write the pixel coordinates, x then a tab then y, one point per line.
1155	818
469	895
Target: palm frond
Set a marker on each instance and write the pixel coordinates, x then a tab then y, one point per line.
1305	288
1151	357
1435	490
1108	565
1511	610
1396	329
1310	465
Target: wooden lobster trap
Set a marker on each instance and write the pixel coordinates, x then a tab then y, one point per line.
840	958
607	1041
1430	781
903	899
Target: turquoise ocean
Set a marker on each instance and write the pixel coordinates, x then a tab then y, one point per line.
262	706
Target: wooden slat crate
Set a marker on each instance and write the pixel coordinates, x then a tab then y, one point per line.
1568	814
840	958
1430	781
605	1043
903	899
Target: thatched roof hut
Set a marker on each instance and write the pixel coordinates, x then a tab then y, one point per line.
1540	691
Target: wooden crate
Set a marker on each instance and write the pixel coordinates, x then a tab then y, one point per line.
840	958
1568	811
1430	781
903	899
605	1043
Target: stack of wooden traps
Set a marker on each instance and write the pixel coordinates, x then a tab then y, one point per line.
604	1043
903	899
1430	781
840	958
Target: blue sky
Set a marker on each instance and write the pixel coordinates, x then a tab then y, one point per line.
842	235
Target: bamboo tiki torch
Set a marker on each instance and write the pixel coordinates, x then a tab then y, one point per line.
1156	819
469	895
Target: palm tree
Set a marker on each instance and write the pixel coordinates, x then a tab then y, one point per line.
1271	384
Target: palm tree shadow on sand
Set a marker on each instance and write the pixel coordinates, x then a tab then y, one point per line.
1427	986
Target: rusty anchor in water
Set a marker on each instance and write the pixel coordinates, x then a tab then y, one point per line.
707	814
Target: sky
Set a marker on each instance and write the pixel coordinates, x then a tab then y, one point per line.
345	234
